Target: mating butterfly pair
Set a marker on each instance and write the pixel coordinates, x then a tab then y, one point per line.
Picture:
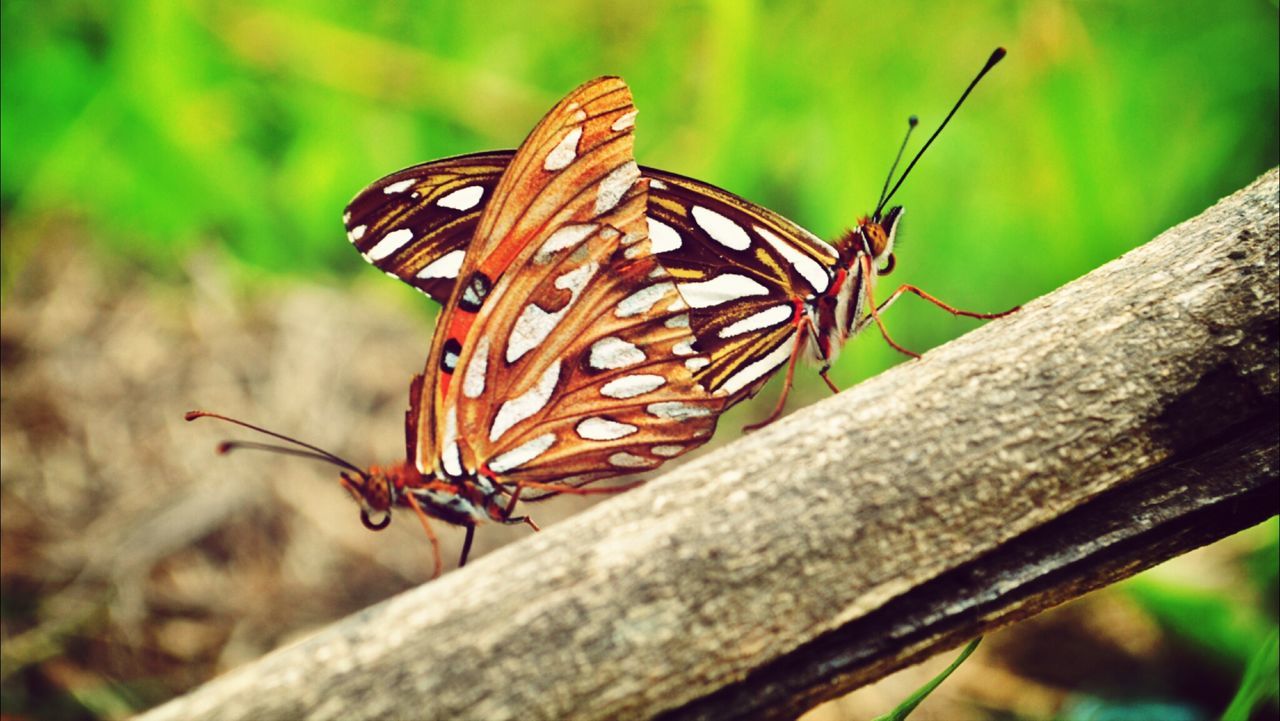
762	290
600	316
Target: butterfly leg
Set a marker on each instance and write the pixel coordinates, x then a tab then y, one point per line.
830	383
426	526
875	311
515	496
868	319
952	310
786	388
574	491
466	545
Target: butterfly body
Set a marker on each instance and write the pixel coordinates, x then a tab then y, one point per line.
460	502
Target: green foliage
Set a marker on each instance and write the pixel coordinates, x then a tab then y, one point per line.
1260	681
164	126
904	709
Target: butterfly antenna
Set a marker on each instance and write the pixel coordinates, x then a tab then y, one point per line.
911	125
996	56
229	446
315	451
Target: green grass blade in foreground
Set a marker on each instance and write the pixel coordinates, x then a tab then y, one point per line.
905	708
1259	682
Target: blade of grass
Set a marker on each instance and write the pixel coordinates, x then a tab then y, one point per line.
1259	681
905	708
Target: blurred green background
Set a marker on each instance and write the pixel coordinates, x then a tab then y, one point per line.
149	131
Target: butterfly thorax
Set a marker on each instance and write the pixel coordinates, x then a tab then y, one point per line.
845	303
459	501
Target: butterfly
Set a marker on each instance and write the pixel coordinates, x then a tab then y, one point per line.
763	291
565	354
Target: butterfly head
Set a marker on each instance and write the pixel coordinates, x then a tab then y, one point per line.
873	238
377	490
878	234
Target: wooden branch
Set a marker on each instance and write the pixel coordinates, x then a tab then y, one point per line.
1121	420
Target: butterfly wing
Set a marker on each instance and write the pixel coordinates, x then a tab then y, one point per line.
742	267
746	272
580	368
572	171
416	224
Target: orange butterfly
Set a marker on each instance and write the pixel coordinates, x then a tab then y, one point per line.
763	291
563	356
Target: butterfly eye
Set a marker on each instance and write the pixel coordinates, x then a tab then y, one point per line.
889	264
369	523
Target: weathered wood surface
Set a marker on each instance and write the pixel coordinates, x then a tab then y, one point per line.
1120	420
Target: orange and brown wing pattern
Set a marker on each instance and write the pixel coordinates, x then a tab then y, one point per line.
573	170
573	167
582	366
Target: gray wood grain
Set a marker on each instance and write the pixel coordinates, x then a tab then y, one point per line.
1117	421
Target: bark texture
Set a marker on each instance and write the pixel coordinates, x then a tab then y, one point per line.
1123	419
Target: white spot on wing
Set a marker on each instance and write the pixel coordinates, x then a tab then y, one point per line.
632	386
477	367
655	183
629	460
452	460
446	266
720	289
721	229
521	407
698	363
624	121
677	411
753	372
611	353
811	270
667	451
663	237
615	185
534	324
462	198
390	243
642	300
678	321
764	319
566	236
564	152
398	187
522	453
684	347
603	429
356	233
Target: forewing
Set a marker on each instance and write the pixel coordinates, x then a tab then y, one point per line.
574	167
573	170
583	369
416	224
